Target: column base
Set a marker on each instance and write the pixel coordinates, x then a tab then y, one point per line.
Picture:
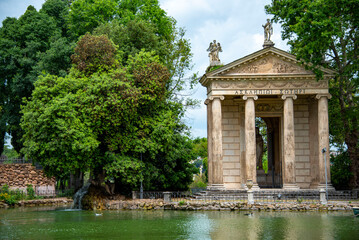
218	187
290	186
322	186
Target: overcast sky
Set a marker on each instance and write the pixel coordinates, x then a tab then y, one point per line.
236	24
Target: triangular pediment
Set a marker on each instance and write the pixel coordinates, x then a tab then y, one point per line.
268	64
269	61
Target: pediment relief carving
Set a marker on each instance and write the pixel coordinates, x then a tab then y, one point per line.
267	65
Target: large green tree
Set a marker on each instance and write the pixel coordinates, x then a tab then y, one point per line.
35	42
43	41
326	33
37	48
20	43
111	119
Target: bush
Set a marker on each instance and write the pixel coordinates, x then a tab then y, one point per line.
30	192
4	189
66	193
340	171
8	199
18	194
199	181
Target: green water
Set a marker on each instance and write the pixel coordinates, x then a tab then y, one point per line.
51	223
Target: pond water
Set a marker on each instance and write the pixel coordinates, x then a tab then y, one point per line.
51	223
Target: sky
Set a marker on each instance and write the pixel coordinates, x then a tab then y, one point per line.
235	24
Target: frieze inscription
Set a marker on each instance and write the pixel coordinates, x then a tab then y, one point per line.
269	91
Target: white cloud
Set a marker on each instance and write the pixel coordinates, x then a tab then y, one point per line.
186	8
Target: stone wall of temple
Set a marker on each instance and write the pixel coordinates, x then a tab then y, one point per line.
231	149
302	148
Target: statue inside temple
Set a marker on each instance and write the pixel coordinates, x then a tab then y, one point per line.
259	149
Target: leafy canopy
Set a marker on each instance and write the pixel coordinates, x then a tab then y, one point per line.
112	120
326	33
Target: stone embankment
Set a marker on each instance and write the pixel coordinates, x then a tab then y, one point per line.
159	204
225	206
41	202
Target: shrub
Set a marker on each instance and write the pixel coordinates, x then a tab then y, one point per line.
18	194
5	189
8	199
199	181
66	193
340	171
30	192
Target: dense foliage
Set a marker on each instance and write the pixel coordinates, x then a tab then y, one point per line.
12	197
100	79
43	42
115	113
340	171
33	43
326	33
199	151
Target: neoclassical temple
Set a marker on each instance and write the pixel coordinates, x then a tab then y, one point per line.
272	85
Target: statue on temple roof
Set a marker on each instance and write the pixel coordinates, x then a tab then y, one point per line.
213	49
268	32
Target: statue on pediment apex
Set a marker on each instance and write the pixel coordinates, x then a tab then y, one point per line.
213	49
268	32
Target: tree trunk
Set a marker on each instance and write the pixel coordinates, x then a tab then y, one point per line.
353	151
76	180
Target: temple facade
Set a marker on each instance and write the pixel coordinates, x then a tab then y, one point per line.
272	86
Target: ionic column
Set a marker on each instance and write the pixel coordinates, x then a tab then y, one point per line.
289	181
217	150
323	139
209	140
250	139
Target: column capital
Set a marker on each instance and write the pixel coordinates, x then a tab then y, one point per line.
285	96
328	95
245	97
211	98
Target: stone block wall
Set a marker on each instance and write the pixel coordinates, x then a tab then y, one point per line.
302	148
231	149
18	176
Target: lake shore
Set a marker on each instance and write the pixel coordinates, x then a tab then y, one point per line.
227	206
159	204
40	202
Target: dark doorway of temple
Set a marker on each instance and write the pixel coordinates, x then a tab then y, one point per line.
268	151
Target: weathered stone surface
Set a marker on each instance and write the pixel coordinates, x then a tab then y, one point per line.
20	175
147	204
